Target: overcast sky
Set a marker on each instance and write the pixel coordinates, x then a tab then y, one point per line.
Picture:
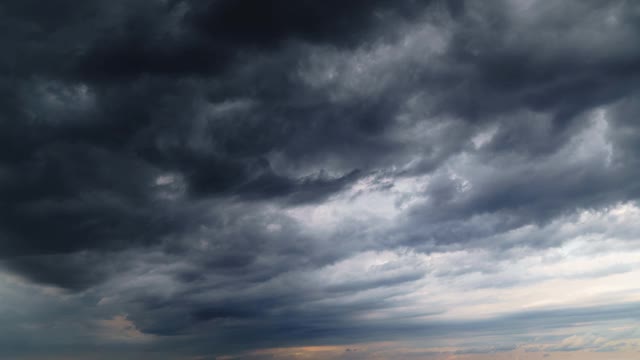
328	179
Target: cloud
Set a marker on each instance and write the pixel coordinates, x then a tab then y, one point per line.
235	175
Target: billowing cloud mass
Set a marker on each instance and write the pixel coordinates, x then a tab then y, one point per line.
245	179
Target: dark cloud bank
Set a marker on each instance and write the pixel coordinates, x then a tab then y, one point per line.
164	145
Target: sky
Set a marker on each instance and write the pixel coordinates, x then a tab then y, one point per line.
355	179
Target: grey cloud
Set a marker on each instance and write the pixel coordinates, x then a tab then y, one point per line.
158	149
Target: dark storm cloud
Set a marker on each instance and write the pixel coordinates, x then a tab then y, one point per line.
81	156
56	269
176	138
202	37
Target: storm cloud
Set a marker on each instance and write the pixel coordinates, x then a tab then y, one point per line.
210	178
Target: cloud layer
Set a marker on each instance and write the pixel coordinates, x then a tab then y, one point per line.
195	178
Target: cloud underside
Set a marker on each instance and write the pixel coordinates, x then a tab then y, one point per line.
210	178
